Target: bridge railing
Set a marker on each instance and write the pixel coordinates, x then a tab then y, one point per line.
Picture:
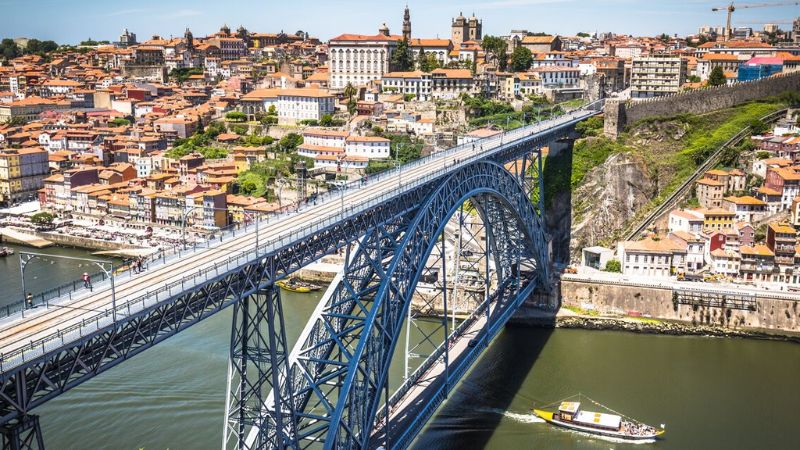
57	339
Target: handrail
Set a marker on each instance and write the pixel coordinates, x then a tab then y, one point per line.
248	256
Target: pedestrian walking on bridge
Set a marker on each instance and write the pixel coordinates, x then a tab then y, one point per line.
87	281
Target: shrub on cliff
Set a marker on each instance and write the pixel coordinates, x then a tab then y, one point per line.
614	266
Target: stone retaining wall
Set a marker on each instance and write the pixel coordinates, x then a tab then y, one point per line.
770	314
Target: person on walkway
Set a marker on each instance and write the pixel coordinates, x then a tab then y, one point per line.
29	300
87	281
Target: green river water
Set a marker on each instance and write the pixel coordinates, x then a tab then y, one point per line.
711	393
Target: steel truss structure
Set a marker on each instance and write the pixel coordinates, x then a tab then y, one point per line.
329	387
336	381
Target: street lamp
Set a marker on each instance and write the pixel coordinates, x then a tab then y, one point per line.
189	210
106	266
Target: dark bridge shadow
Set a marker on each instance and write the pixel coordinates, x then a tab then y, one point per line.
558	200
475	408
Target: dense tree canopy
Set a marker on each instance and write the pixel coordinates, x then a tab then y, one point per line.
521	59
496	48
402	60
717	77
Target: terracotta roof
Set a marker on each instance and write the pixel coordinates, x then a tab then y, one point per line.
782	228
538	39
757	250
709	182
363	37
653	246
746	200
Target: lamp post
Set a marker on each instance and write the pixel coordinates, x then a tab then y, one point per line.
189	210
106	266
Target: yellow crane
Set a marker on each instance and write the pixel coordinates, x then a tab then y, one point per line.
733	7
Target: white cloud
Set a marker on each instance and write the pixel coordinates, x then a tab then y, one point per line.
182	13
126	12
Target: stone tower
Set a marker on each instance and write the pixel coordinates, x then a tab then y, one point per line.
189	39
407	25
475	29
460	30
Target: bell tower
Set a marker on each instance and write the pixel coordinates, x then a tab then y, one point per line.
407	25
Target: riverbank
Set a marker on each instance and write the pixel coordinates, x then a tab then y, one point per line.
652	326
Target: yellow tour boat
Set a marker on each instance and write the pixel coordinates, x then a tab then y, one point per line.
570	415
293	285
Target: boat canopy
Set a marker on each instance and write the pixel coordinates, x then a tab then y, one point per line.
569	407
598	419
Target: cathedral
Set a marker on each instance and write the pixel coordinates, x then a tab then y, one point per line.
466	29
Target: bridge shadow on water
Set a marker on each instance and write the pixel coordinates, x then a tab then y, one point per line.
475	408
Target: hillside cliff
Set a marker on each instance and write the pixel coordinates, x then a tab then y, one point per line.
613	184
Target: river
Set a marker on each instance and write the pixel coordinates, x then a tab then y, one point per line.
710	393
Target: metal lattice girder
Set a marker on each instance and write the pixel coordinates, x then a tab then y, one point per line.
259	360
321	363
22	434
48	371
356	396
79	360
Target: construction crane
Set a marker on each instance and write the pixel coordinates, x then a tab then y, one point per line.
733	7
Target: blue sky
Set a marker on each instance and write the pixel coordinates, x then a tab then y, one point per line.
69	21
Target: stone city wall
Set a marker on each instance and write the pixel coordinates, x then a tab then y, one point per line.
619	114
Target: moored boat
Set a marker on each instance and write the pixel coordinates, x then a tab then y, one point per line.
294	285
570	415
5	251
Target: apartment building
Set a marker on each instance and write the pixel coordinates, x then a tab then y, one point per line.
652	258
22	174
656	76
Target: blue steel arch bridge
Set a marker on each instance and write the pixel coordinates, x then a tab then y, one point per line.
454	236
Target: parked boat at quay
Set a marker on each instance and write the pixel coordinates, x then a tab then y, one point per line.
295	285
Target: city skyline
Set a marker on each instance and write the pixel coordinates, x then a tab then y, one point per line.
148	17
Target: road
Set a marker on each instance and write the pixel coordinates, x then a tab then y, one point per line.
593	276
41	328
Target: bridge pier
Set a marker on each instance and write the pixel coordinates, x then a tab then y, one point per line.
259	361
23	434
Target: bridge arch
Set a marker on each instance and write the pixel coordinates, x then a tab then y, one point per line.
514	233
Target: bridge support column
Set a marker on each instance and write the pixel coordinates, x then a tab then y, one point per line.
23	434
258	363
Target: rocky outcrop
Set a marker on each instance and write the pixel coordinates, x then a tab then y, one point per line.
608	198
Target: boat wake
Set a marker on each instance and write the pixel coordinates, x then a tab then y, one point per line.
606	438
518	417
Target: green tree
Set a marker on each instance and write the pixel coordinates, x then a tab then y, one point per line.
613	266
326	120
402	59
236	116
717	77
119	122
693	79
290	142
521	59
583	35
427	62
9	49
350	92
42	219
496	48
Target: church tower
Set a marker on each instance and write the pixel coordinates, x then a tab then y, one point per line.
189	39
407	25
